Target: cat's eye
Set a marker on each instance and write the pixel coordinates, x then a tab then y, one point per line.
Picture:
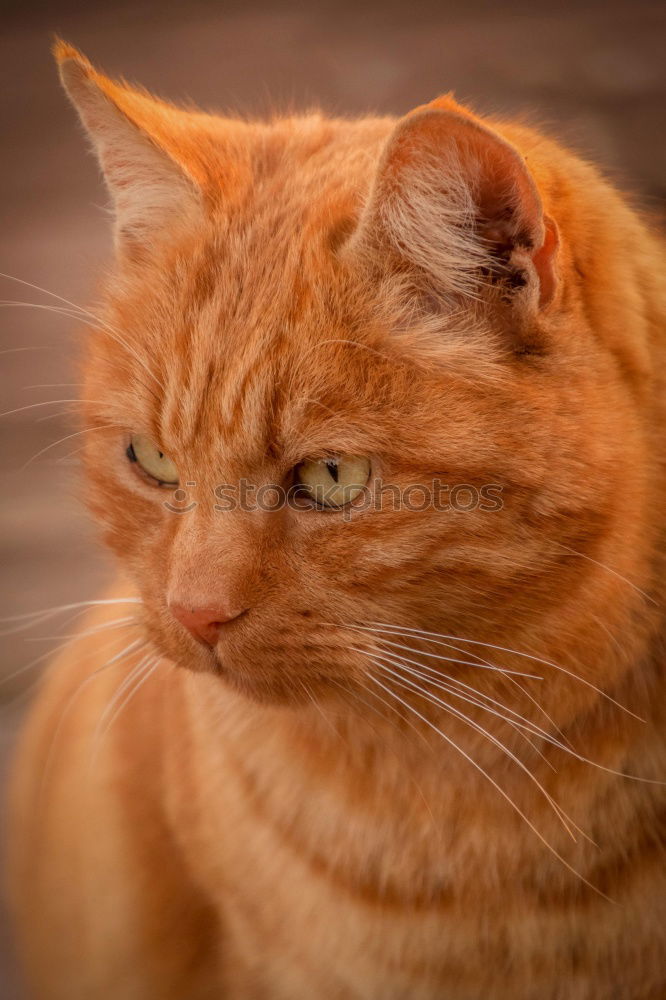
333	482
151	460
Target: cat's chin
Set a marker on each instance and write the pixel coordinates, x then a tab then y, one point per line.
262	691
266	686
271	687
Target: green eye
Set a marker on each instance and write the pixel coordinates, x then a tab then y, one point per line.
153	461
333	482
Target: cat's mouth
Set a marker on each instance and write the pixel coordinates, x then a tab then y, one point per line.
293	668
269	662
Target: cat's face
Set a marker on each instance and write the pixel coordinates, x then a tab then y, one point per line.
248	387
292	331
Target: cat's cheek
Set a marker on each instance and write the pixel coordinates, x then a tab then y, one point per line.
134	521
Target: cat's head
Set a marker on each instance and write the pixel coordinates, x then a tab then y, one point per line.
343	382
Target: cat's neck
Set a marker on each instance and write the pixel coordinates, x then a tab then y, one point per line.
399	802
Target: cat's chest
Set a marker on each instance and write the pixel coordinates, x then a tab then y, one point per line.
293	930
322	895
367	914
295	927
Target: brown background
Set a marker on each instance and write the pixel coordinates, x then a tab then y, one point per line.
592	73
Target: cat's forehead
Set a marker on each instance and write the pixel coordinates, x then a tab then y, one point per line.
266	256
262	338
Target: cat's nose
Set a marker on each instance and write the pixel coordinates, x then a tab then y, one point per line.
205	624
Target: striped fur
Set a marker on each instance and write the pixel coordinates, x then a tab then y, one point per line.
307	813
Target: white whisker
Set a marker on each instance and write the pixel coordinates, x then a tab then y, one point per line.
450	659
566	821
479	698
114	623
609	569
536	729
539	732
515	652
35	347
403	718
55	385
28	666
478	661
30	618
501	791
85	313
47	402
508	674
70	313
122	687
133	647
55	649
67	437
143	674
374	694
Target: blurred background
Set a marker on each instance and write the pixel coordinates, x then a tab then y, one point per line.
591	73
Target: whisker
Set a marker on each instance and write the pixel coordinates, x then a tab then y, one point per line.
51	652
317	706
54	385
70	313
501	791
537	731
374	694
81	312
509	675
32	347
447	684
450	659
58	415
562	738
515	652
29	666
67	437
148	669
609	569
46	402
122	687
114	623
566	821
45	291
477	662
354	693
30	618
133	647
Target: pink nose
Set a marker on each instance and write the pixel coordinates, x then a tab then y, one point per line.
205	624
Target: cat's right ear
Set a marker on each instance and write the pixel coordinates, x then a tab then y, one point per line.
154	190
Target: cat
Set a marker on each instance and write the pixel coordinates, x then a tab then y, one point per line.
375	426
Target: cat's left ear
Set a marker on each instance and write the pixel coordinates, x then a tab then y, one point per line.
454	201
136	138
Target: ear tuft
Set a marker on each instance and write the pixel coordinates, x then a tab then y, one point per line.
62	50
75	71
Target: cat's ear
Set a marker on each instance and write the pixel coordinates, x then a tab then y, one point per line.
455	202
153	190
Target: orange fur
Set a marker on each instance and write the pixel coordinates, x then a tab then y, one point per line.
457	299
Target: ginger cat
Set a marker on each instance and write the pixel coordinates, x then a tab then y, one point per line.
391	726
